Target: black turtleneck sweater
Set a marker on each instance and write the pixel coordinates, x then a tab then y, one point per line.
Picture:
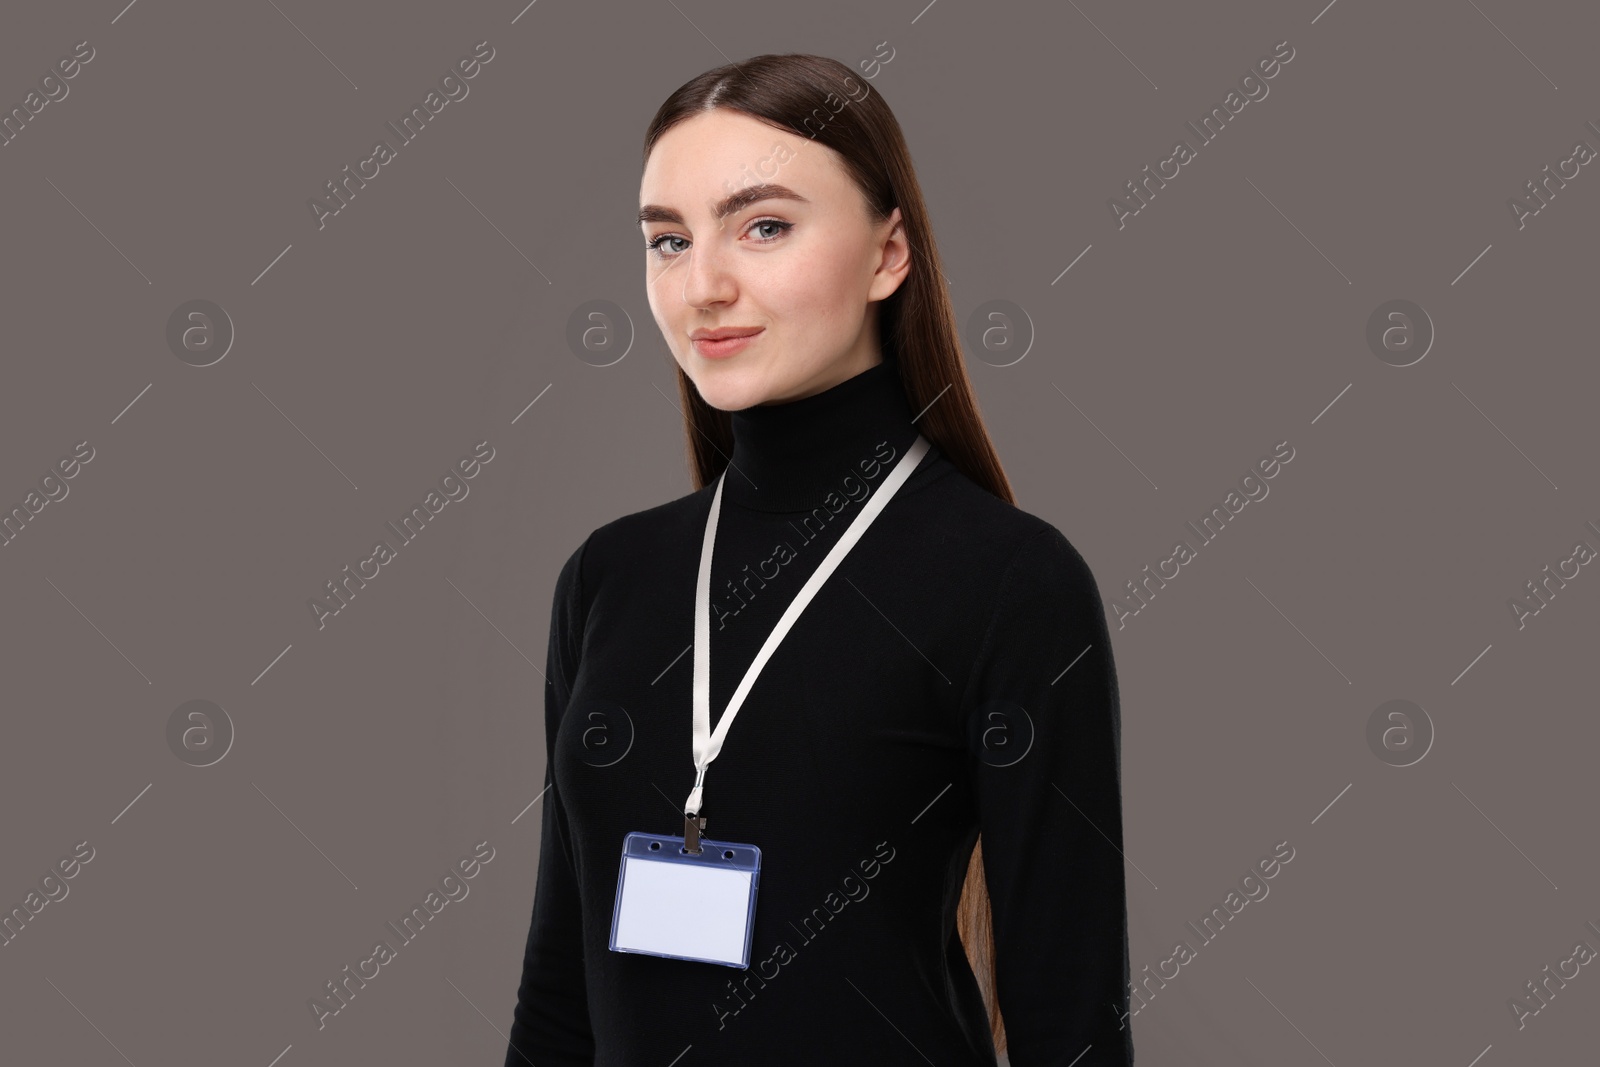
954	675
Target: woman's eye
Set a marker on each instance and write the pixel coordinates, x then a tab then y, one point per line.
783	227
655	245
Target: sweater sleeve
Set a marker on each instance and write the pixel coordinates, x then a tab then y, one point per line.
550	1027
1043	716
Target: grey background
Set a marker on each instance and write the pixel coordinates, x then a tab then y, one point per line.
1227	316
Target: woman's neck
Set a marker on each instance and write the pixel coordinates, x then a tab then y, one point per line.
789	457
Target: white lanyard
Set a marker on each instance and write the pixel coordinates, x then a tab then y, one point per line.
707	744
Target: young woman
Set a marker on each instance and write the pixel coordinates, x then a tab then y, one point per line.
927	759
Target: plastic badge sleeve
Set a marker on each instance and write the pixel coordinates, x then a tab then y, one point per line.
673	903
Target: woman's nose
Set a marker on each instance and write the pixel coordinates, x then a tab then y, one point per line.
706	280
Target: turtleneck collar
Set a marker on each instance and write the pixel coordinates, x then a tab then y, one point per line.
788	457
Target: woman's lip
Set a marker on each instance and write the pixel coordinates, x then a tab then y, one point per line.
725	347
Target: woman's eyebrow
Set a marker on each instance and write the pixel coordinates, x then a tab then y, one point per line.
738	201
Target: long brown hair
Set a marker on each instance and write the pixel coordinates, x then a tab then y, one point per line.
821	99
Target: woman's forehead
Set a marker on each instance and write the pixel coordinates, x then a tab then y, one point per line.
698	163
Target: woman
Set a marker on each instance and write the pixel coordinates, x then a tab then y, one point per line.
940	723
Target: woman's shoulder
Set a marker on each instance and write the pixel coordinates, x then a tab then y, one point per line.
634	539
1009	539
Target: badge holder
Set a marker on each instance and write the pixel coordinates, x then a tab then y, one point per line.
686	903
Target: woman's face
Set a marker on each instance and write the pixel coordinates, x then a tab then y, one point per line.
796	262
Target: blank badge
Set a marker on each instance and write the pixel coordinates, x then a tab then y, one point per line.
674	903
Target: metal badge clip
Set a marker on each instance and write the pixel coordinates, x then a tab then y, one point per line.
692	826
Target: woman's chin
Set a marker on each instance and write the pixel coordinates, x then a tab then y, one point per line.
728	387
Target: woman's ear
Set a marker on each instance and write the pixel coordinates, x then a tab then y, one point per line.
894	261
